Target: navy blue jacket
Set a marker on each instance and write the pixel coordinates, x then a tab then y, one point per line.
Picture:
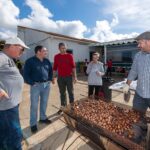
36	70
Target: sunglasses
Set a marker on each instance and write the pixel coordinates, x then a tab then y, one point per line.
19	46
22	49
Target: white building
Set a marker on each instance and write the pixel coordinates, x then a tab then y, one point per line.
33	37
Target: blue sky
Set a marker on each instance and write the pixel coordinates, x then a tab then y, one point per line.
100	20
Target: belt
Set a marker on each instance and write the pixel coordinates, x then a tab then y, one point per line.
41	81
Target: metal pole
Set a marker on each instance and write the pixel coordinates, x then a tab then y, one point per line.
105	56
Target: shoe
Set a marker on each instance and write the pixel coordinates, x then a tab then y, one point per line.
59	112
46	121
34	129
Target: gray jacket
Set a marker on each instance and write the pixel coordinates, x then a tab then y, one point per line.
93	77
11	81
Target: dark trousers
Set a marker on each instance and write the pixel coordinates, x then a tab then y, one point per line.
91	89
108	72
63	84
141	104
10	130
85	68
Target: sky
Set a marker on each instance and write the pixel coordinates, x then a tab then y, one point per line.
99	20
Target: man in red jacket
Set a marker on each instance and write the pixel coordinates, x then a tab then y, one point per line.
65	67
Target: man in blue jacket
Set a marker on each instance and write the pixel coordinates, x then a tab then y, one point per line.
38	74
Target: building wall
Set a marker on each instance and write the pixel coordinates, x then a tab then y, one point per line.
33	38
80	52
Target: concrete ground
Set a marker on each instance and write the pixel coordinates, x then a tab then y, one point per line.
56	136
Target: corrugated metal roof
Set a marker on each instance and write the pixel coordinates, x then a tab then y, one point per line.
63	36
116	42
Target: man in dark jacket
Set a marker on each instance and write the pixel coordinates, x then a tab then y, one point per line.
38	74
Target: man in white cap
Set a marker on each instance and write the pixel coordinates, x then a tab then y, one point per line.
11	86
141	70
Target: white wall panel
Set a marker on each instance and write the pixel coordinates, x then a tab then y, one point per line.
33	38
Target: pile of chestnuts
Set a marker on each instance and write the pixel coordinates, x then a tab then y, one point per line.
107	116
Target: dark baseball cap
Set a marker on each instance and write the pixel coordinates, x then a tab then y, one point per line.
143	36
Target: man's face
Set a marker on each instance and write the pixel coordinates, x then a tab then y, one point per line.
43	52
62	49
15	51
144	45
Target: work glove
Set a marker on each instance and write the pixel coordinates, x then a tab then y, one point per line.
126	88
127	96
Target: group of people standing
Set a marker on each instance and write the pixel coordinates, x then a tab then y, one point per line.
39	73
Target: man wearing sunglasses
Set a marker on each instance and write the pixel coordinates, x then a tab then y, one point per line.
11	86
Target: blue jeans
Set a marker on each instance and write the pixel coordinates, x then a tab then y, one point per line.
10	130
38	91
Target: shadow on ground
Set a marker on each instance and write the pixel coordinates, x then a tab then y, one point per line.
55	140
27	132
91	145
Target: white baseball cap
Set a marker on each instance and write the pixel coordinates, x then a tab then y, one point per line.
16	40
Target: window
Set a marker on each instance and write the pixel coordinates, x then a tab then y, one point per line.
127	56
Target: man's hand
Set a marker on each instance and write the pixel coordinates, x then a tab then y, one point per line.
3	94
53	81
75	80
99	73
126	88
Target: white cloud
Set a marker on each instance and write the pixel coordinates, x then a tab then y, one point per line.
9	18
9	13
41	18
115	21
104	31
4	34
130	16
38	10
127	16
133	14
73	28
